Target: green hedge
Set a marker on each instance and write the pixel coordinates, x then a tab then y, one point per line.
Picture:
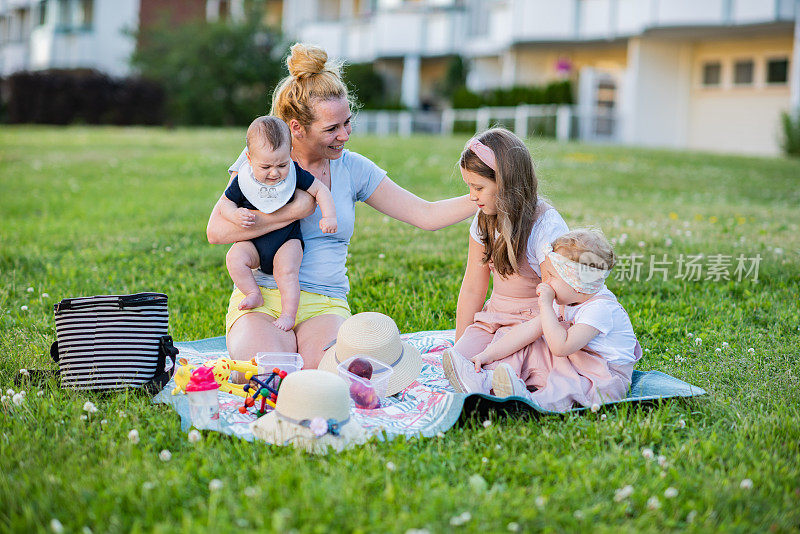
553	93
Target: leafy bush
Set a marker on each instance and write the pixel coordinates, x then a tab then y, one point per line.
212	73
81	96
553	93
791	134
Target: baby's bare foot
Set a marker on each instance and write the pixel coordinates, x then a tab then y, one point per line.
284	322
253	300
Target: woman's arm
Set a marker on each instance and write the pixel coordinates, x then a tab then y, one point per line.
518	337
396	202
473	288
220	230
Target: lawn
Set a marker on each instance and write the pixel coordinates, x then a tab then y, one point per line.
102	210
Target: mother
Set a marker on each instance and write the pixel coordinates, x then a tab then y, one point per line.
315	104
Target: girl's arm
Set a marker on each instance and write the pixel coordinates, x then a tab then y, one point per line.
473	288
518	337
561	341
396	202
324	198
220	230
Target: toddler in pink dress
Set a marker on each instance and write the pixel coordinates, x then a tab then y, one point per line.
581	349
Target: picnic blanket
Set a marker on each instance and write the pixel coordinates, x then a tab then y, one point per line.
426	407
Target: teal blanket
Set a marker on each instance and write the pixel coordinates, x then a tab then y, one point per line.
426	407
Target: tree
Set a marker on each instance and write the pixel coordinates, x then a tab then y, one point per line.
212	73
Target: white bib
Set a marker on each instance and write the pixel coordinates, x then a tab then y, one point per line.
267	197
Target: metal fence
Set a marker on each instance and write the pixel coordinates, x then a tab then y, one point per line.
561	122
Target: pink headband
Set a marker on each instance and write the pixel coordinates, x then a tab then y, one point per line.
484	153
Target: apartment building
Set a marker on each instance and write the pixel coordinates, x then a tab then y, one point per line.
696	74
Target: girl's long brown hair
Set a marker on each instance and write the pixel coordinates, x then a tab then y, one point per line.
517	199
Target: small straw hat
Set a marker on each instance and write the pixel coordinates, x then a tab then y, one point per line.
312	413
375	335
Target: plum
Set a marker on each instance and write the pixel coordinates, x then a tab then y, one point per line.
364	396
361	367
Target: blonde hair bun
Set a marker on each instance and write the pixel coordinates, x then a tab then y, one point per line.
306	60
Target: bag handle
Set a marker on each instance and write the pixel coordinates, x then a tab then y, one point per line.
162	376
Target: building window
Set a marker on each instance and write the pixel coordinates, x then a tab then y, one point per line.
743	72
42	13
712	73
778	71
74	15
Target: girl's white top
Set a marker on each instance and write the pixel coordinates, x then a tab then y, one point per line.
546	228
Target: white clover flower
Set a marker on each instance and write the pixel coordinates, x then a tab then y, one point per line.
653	503
215	484
662	474
623	493
45	296
778	250
56	526
487	423
24	372
724	344
89	407
84	417
23	392
168	249
690	516
23	308
670	493
698	341
30	290
381	256
603	417
462	518
440	434
513	527
647	453
642	244
478	483
485	460
165	455
751	350
103	422
578	514
662	460
746	484
681	423
251	492
595	408
133	436
498	447
390	466
4	398
690	334
86	530
195	436
540	501
718	350
668	242
147	486
18	399
10	392
40	393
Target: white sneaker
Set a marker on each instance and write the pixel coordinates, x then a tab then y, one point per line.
461	373
506	383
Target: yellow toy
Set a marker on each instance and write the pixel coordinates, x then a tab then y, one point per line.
222	369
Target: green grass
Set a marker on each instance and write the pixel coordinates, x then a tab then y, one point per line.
102	210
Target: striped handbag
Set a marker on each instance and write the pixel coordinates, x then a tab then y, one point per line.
113	342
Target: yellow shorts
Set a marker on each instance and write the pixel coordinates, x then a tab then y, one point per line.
311	305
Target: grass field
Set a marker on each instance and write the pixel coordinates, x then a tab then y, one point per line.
96	211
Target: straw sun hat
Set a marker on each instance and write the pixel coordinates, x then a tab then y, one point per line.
375	335
312	413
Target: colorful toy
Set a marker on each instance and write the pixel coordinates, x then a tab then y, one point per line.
267	389
221	368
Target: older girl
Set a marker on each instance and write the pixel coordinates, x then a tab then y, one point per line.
506	240
314	102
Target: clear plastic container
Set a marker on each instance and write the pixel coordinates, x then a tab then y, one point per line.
204	409
285	361
368	394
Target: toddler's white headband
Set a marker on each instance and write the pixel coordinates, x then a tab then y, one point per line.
582	278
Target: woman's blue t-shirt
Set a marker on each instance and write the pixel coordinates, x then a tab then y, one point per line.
353	178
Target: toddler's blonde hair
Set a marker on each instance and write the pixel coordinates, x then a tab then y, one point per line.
587	246
312	77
